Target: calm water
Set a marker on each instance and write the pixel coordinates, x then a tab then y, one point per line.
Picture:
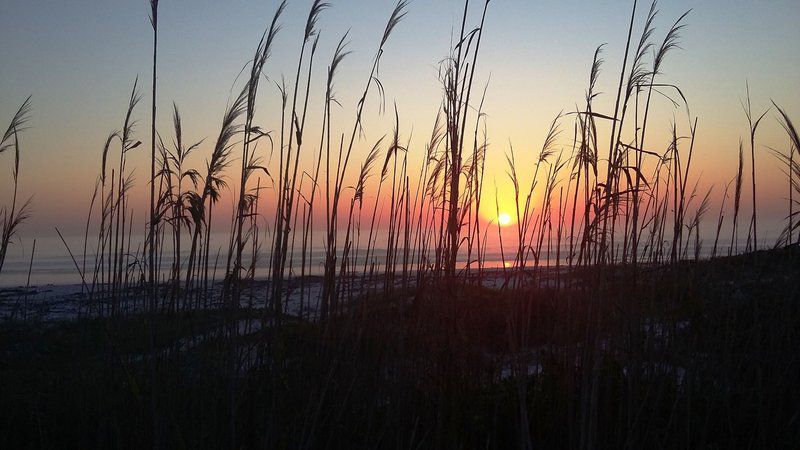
52	263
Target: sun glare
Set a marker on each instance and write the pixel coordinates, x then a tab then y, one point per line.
504	219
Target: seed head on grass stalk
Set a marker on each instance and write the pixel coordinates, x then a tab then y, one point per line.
200	202
11	216
18	122
737	196
792	171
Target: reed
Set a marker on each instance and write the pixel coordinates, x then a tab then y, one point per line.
602	326
15	215
753	122
792	172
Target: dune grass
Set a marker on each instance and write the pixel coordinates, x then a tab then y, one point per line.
604	326
14	216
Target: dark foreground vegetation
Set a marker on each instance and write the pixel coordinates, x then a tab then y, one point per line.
699	356
612	325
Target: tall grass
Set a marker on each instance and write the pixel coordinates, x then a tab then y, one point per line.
792	172
15	215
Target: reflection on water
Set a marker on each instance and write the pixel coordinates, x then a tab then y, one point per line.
52	263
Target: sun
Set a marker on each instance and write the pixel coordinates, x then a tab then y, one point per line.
503	219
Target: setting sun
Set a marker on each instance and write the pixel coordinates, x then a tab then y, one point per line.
504	219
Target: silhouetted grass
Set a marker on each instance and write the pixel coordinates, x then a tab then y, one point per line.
604	327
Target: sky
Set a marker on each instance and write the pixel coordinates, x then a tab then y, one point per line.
79	60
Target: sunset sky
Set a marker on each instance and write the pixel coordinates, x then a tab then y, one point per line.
78	59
